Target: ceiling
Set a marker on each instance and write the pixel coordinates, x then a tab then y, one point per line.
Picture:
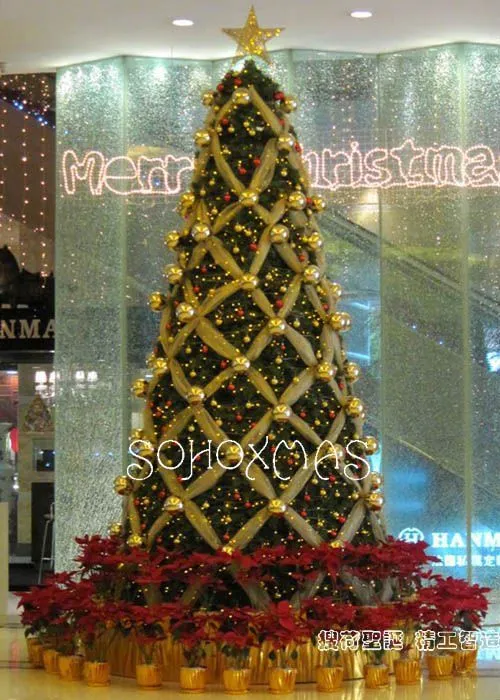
37	36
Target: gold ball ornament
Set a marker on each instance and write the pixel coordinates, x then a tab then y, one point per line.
208	98
161	365
297	200
282	413
335	290
376	480
279	234
318	203
174	273
325	372
241	96
145	449
371	444
122	485
289	104
354	407
338	452
186	203
200	231
340	321
249	282
173	504
115	529
337	544
185	312
202	138
140	388
195	396
311	274
276	326
276	507
233	454
352	372
172	239
157	301
285	142
136	434
248	198
374	501
241	364
314	241
134	541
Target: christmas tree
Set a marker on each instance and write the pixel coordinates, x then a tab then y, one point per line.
250	358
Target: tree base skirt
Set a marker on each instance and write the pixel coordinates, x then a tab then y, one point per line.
124	655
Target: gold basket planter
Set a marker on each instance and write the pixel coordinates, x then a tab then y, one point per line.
464	662
37	656
30	643
236	680
440	666
193	680
329	678
71	668
96	673
148	676
50	660
282	680
407	671
376	676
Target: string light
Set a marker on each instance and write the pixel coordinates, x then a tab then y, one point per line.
405	165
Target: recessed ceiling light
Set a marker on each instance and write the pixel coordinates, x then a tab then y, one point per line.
183	22
361	14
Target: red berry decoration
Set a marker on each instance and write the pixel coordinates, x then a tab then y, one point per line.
298	147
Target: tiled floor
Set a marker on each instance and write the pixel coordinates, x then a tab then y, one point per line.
19	682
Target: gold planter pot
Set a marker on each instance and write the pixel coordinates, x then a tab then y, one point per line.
282	680
464	662
407	671
376	676
30	643
329	678
37	656
440	666
96	673
50	660
236	680
193	680
148	676
71	668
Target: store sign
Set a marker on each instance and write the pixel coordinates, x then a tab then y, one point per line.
405	165
24	329
451	547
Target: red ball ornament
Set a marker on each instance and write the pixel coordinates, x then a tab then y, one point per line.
204	349
298	147
332	479
302	414
227	197
309	201
223	364
242	171
136	501
239	418
248	504
240	312
303	513
307	498
238	81
302	257
162	495
226	537
253	246
290	537
326	307
279	303
256	162
231	387
196	289
278	96
220	87
331	414
224	121
341	519
203	269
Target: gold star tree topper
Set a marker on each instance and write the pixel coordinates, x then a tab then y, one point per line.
252	39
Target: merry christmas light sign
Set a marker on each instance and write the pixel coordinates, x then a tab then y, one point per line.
407	165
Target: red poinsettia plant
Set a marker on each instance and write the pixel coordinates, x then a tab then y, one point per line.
373	624
148	623
325	619
283	628
236	634
194	630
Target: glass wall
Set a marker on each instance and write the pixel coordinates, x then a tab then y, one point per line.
404	148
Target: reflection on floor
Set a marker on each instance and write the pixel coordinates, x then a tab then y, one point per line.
19	682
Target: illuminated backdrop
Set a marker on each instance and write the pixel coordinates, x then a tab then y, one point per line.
405	147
